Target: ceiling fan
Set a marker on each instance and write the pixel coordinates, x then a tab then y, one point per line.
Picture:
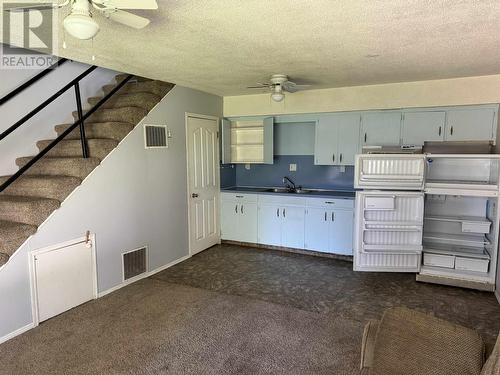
279	84
80	24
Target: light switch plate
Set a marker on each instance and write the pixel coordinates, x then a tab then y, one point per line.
293	167
247	167
342	168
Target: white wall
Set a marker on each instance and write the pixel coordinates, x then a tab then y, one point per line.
22	142
445	92
136	197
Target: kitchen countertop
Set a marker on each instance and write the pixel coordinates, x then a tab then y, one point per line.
343	194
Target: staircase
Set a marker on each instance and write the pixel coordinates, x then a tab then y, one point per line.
27	202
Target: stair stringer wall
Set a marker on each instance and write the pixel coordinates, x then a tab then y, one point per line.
136	197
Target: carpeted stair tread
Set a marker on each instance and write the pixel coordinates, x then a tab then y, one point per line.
27	210
155	87
60	166
131	115
12	235
46	186
107	130
98	148
145	100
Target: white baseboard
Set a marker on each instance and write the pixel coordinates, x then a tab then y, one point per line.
143	276
17	332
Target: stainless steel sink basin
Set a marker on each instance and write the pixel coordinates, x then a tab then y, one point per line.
280	190
288	191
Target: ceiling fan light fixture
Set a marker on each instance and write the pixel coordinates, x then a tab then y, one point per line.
277	96
81	26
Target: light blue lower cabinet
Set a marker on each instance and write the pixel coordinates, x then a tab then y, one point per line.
238	217
269	224
329	231
301	223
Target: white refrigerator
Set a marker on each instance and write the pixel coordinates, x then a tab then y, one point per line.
431	214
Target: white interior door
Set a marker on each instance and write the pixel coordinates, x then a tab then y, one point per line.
203	181
64	278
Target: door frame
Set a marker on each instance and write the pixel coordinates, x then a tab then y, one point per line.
217	120
32	270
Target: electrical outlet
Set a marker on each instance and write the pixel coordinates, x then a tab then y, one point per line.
247	167
342	169
293	167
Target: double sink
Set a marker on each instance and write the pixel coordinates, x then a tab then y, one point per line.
288	190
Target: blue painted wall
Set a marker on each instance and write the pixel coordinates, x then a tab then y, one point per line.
227	175
307	175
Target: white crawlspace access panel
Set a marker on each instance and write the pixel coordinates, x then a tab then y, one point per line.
63	278
389	171
389	227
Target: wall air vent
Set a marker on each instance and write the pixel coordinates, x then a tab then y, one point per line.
155	136
134	263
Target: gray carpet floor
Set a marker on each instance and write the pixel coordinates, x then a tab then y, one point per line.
153	327
236	310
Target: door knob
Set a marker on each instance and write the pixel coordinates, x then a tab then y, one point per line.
194	195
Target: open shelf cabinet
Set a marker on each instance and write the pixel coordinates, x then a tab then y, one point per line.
247	141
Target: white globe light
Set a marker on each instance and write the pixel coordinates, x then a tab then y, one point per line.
277	96
81	26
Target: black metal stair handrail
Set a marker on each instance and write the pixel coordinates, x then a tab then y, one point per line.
79	123
46	102
31	81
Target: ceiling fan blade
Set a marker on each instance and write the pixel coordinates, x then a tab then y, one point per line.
258	87
127	4
27	8
128	19
293	87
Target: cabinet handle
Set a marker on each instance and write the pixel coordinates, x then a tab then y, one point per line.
439	133
365	137
236	208
277	212
333	158
333	216
451	130
325	215
241	209
341	158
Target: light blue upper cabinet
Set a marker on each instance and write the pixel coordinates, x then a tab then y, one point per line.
381	129
422	126
337	139
471	124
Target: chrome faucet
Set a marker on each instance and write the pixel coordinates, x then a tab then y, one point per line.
290	185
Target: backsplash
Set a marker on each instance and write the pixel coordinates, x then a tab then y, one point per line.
307	175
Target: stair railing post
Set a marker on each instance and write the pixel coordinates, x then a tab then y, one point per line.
83	139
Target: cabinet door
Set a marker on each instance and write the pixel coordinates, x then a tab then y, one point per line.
325	146
225	141
229	220
317	229
419	127
247	222
268	140
470	124
292	229
269	225
341	231
381	129
348	139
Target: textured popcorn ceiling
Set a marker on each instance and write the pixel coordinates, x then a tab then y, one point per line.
221	46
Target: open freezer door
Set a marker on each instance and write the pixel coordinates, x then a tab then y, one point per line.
389	171
388	231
